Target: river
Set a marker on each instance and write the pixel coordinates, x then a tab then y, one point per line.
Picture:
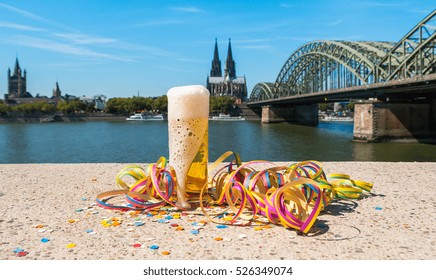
140	142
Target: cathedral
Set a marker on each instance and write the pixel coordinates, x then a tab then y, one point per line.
229	84
17	82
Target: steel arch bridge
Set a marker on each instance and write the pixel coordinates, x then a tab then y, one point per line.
325	65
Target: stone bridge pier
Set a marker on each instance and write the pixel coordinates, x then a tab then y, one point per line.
301	114
377	121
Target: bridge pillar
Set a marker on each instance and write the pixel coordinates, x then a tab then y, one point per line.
302	114
376	121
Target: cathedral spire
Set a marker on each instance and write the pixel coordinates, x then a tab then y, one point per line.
216	63
230	63
17	68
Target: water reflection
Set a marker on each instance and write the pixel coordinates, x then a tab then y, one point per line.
146	142
14	148
363	152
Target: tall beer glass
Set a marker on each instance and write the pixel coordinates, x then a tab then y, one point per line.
188	115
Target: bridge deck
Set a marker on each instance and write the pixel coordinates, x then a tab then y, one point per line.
419	86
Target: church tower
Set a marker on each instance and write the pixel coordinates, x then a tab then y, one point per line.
57	91
229	85
17	82
215	71
230	63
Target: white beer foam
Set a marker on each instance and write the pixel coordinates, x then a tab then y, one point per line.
186	102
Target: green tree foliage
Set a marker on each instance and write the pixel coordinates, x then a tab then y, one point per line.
33	108
220	104
136	104
160	103
72	106
3	109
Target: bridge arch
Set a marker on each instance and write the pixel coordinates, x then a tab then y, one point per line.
325	65
263	91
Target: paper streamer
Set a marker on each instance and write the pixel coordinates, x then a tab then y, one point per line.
292	196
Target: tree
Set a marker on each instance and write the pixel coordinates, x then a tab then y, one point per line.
3	109
220	104
71	106
160	103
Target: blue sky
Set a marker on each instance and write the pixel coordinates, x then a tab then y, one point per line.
120	48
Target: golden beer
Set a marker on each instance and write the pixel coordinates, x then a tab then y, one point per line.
188	116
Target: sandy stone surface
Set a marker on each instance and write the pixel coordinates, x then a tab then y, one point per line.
396	222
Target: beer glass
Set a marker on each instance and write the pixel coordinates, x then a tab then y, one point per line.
188	116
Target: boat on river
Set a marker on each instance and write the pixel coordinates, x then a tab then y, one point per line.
145	117
336	119
224	117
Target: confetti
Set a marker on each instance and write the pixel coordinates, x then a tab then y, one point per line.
166	253
138	224
137	245
221	226
17	250
154	247
71	245
218	238
292	195
378	208
45	240
22	254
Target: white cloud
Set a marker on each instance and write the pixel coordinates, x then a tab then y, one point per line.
84	39
337	22
22	12
69	49
193	10
19	26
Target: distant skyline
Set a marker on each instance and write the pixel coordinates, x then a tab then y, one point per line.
122	48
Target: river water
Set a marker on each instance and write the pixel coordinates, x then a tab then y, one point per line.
140	142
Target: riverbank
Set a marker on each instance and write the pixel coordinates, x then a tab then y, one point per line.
49	213
38	118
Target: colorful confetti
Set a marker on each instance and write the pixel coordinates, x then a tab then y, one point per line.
221	226
292	196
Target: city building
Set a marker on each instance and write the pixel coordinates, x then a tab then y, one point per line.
17	82
228	84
